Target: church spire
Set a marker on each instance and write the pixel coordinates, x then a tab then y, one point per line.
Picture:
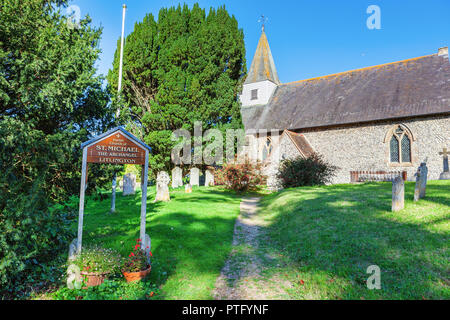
263	66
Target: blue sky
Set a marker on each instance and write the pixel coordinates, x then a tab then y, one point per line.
308	38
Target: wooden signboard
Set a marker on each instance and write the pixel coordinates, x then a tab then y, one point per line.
116	146
116	149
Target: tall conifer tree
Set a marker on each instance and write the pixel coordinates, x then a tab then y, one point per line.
186	66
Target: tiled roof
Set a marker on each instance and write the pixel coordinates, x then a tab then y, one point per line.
414	87
300	143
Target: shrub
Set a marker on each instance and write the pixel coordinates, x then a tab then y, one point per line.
32	238
95	259
310	171
137	260
240	177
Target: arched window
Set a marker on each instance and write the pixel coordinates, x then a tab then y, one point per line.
267	149
400	145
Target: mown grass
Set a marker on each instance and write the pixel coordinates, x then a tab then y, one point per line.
325	238
191	239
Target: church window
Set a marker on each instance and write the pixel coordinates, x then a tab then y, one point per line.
400	145
406	149
255	94
395	156
267	149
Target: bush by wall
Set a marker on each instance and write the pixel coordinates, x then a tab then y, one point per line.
240	177
311	171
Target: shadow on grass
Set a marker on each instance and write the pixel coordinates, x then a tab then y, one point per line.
337	232
191	237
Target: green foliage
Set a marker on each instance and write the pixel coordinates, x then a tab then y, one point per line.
311	171
95	259
114	289
50	102
137	260
240	177
186	66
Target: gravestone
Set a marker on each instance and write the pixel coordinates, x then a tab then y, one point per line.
73	250
195	177
177	177
421	182
162	187
209	178
446	174
188	188
398	194
129	184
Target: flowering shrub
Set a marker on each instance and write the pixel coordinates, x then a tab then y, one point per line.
95	259
240	177
311	171
137	260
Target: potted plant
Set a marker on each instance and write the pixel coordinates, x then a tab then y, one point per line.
96	264
137	266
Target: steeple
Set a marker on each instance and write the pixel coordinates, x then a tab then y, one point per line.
263	66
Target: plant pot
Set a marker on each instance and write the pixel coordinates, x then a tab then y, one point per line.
136	276
94	278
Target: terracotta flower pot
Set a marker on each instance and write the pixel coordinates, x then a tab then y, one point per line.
136	276
93	278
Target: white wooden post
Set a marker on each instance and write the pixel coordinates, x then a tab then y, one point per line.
113	194
81	208
144	198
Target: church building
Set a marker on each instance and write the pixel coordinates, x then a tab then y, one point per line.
385	118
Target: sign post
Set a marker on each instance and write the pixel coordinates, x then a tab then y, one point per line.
116	146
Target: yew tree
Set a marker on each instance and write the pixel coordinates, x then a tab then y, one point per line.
184	66
50	102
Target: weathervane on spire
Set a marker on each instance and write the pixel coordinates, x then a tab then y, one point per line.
263	21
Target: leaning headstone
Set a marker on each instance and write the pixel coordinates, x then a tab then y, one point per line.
195	177
188	188
421	182
162	187
398	194
445	175
209	178
129	184
177	177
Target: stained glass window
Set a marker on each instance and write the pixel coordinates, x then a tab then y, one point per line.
394	150
400	146
267	149
406	149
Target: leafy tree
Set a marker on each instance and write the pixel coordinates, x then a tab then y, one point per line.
186	66
50	102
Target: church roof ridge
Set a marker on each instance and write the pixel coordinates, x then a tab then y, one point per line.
358	70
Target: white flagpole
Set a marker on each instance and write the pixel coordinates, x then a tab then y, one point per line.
122	40
121	47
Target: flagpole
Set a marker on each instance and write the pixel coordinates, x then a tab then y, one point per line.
122	40
121	47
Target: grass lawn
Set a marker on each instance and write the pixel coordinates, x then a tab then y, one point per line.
324	239
191	239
